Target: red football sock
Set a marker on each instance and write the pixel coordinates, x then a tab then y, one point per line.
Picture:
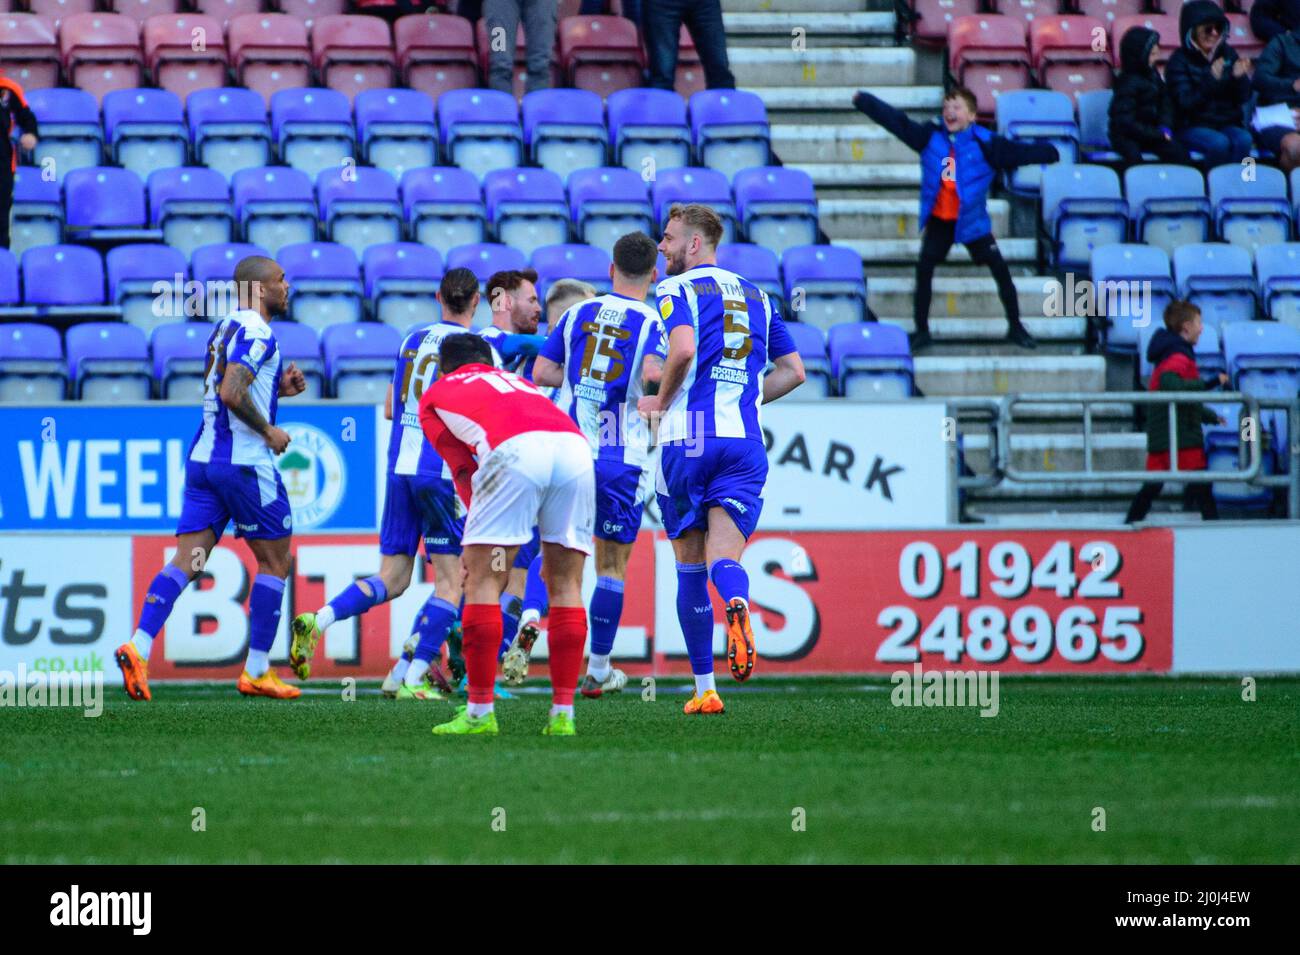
481	627
566	633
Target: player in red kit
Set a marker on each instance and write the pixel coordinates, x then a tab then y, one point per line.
518	462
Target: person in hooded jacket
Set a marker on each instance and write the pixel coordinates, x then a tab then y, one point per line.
1268	18
1141	109
1210	85
1172	350
15	114
1277	80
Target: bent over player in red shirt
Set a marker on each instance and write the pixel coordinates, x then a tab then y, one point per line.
518	461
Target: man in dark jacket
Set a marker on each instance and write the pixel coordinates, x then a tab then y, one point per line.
1210	85
14	114
1268	18
1172	350
1141	109
1277	79
959	160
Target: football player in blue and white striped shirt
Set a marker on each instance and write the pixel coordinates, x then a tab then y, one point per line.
722	332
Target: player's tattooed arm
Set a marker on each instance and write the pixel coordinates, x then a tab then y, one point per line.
235	396
652	372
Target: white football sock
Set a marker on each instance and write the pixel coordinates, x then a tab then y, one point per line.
324	617
478	709
703	683
259	661
415	672
598	667
143	644
528	616
566	709
399	669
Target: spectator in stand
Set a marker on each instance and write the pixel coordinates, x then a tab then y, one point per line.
661	28
1141	109
14	114
1268	18
538	17
1277	80
1210	85
1172	350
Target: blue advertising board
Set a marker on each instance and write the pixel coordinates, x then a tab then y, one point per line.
79	467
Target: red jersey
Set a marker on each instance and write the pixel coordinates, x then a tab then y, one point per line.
475	409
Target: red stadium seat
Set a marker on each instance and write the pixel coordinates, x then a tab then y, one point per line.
353	53
690	72
226	10
309	11
521	58
141	10
101	52
1027	10
58	9
933	17
995	46
1165	24
269	52
185	52
1108	11
602	54
1069	54
435	53
29	50
1241	38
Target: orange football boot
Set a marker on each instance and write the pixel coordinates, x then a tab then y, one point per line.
740	640
268	684
708	704
135	671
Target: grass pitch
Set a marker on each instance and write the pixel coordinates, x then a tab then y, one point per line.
1185	770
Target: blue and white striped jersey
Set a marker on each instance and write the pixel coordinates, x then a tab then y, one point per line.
737	331
241	338
416	368
602	344
496	337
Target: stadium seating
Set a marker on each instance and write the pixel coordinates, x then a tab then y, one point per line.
274	206
1132	285
1277	268
229	130
29	49
1030	11
402	283
435	53
180	355
730	130
145	130
1241	37
606	203
106	204
1167	204
301	345
600	53
564	130
1250	212
1083	210
326	282
101	52
1219	279
1108	11
1264	361
36	217
480	130
223	11
192	207
71	135
689	78
353	53
930	19
519	72
1038	116
176	58
359	209
313	131
396	130
443	207
571	261
871	360
648	131
312	11
1094	127
109	361
756	263
359	360
988	54
213	268
31	364
696	184
776	206
1165	24
527	208
484	259
824	284
141	10
134	274
811	343
63	279
10	287
1061	50
269	52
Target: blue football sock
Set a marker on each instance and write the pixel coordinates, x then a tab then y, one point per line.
164	590
433	624
606	609
730	580
354	600
695	613
535	597
264	605
511	607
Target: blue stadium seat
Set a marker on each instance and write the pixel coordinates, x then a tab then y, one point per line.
871	360
109	361
1278	270
11	294
695	184
31	364
824	285
36	217
70	133
145	130
571	261
326	282
564	130
1219	279
359	360
180	355
1037	116
134	274
608	203
1264	360
275	206
483	259
397	130
313	131
811	343
191	204
777	207
213	267
1250	212
756	263
63	279
480	130
1083	209
106	203
301	345
730	130
1209	355
229	129
443	207
1132	284
402	283
527	208
1167	204
1094	127
648	131
359	209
